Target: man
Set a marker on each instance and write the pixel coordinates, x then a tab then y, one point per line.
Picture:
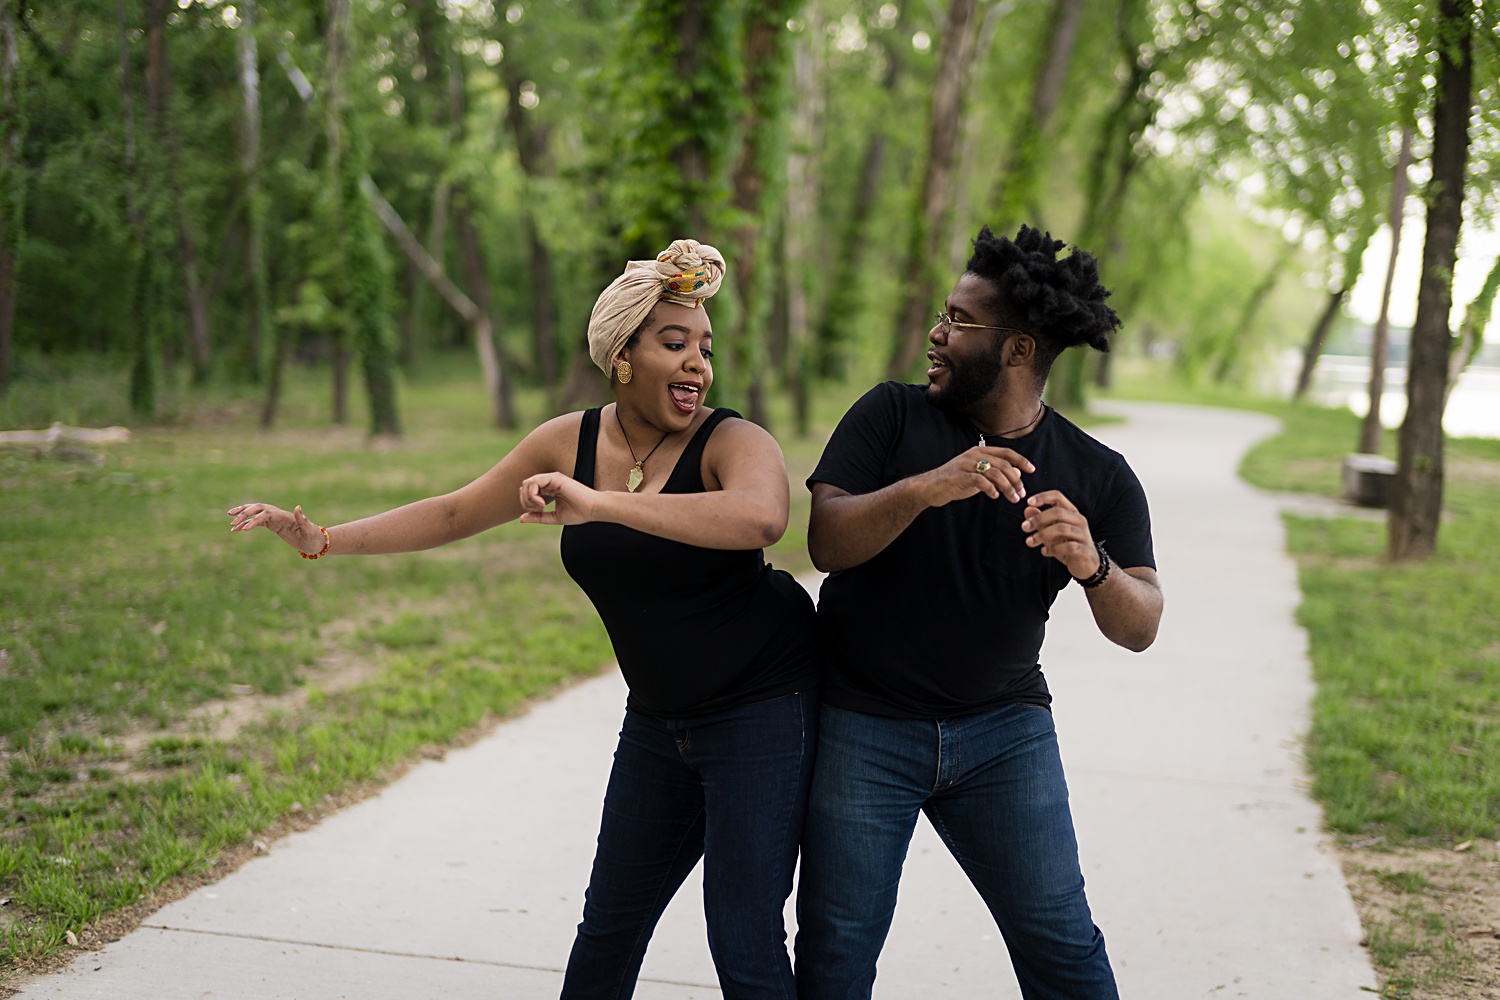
949	517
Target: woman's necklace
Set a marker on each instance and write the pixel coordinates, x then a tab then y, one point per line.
1040	407
638	472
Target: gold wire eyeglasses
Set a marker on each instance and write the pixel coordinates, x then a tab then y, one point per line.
948	323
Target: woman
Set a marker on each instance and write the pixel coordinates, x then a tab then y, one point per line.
665	513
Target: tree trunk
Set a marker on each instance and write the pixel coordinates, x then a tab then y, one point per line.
498	385
159	101
1015	186
334	98
1417	494
690	156
1471	334
531	153
364	278
256	288
142	367
764	61
12	186
1111	169
954	54
800	210
960	238
1234	348
839	317
1370	429
1317	339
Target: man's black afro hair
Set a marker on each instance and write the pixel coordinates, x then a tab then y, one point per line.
1060	302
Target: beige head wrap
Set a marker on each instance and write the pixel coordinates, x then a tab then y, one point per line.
685	272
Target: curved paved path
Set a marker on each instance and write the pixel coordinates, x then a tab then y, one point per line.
1205	864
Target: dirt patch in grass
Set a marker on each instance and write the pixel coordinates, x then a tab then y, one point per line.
1431	918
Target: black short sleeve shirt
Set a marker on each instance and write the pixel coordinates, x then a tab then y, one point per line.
949	618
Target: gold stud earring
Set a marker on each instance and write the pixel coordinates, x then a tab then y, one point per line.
624	373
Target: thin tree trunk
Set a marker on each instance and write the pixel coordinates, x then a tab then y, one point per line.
960	232
690	156
12	186
1417	494
484	328
256	288
1315	341
800	210
764	60
142	368
531	147
335	97
281	347
955	52
838	319
1471	334
1112	167
1015	185
159	90
1234	349
1370	429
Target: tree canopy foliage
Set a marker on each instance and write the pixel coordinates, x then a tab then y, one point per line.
192	190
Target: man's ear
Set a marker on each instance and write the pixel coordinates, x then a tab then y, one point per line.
1022	350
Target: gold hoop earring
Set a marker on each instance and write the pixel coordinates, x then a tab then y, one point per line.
624	373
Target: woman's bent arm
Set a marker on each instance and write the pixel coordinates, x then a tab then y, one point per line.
748	510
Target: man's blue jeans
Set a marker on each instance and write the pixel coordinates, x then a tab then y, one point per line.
730	787
992	785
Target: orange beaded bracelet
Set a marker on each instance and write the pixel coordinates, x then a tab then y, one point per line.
327	542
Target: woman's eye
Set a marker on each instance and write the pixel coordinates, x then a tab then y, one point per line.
673	347
707	353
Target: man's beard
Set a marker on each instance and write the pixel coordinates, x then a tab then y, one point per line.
970	382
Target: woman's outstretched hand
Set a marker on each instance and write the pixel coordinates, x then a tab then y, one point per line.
574	502
291	527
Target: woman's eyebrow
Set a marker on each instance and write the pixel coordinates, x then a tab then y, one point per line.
683	329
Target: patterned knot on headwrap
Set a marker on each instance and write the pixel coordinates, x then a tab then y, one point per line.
687	272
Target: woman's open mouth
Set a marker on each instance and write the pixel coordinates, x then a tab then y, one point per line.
685	395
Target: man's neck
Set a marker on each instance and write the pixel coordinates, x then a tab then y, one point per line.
1006	415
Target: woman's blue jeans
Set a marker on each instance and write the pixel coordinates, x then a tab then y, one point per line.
730	787
992	785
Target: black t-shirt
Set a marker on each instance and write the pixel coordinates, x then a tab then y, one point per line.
694	629
949	618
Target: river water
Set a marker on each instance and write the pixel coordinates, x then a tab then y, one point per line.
1473	408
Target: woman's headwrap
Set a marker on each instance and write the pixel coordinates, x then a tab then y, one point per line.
687	272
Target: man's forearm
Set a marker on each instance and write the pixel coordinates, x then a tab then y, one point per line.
1127	607
848	529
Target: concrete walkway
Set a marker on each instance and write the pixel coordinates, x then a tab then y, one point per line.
1206	867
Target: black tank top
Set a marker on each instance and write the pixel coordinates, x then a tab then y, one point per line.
695	630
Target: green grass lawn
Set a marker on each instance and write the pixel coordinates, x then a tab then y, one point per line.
129	617
127	609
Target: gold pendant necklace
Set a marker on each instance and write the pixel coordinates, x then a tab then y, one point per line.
638	472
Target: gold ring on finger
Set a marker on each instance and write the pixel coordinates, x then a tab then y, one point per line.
982	466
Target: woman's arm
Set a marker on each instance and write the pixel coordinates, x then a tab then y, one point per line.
491	499
749	510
